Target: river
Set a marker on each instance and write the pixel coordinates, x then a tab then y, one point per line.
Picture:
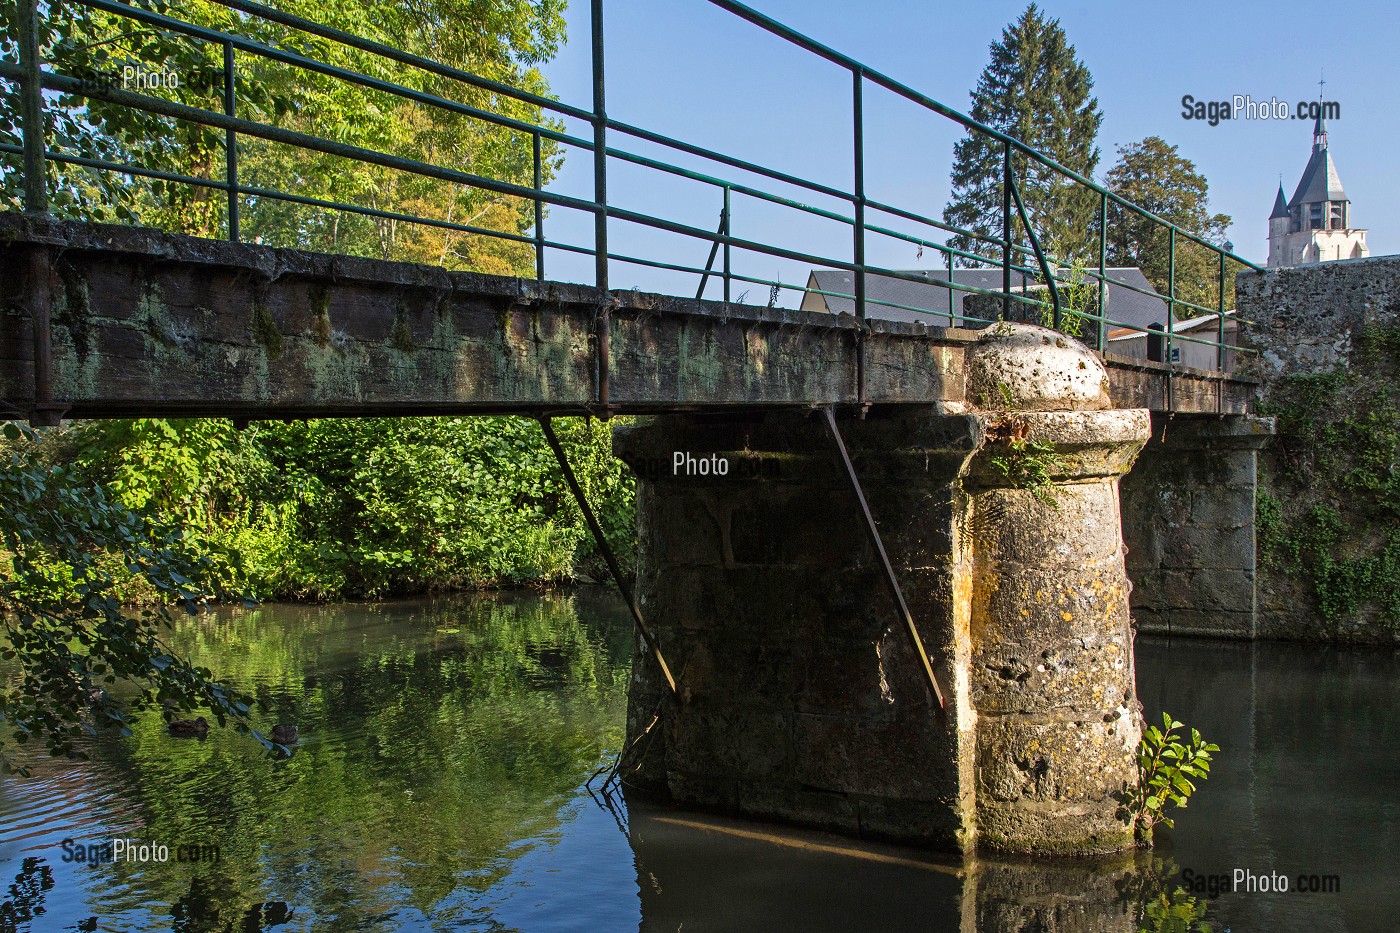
439	785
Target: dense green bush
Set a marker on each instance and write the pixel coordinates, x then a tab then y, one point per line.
70	551
336	508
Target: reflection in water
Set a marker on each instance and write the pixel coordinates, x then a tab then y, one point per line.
438	784
24	900
438	742
703	873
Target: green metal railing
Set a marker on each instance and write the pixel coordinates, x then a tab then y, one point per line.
862	213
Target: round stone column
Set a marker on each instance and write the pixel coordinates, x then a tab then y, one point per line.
1051	674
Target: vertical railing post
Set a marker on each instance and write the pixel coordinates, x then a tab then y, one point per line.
952	307
858	246
1220	321
539	210
725	223
1101	341
36	201
1171	314
36	191
600	202
1005	230
231	141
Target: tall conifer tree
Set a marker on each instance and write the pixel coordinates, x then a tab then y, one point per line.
1035	89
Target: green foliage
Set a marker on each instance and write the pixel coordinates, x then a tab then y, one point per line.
1030	465
1177	912
1333	514
371	507
1078	297
427	762
1036	90
1166	766
1155	176
70	547
500	39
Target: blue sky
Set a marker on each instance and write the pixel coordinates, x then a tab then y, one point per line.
694	71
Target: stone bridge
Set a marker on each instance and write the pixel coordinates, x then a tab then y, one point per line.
153	324
999	713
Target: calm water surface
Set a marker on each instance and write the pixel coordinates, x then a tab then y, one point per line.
439	786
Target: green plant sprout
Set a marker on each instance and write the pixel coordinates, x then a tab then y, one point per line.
1166	767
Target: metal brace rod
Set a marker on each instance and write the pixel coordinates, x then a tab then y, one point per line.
875	540
714	252
1039	253
605	549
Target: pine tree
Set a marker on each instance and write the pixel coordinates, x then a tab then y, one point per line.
1155	177
1037	91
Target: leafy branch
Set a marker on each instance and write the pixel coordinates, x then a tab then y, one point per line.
1166	767
72	552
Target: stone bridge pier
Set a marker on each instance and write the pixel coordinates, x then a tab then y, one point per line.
801	697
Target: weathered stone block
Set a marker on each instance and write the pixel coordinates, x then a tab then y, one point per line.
722	738
1206	590
1062	760
1057	828
931	823
1027	676
1223	506
1009	524
1222	548
834	812
910	757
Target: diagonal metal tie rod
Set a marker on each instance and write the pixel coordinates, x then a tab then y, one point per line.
605	549
879	545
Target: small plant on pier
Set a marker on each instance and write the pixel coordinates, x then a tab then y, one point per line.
1166	769
1029	464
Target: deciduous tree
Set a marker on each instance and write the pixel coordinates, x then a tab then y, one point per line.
1153	175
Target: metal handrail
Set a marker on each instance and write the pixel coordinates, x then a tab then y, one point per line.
1032	261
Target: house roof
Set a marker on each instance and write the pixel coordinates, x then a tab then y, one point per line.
888	298
1319	181
1180	326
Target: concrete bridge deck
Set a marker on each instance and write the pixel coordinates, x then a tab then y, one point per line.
146	323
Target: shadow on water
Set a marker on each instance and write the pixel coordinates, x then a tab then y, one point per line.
703	873
439	780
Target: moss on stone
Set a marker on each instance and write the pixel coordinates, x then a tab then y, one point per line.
265	328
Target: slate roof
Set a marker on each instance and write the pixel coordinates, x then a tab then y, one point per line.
1280	204
883	292
1319	181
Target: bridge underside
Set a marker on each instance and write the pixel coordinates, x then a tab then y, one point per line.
144	323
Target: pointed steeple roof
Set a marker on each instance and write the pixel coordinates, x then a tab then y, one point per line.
1280	204
1319	125
1320	181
